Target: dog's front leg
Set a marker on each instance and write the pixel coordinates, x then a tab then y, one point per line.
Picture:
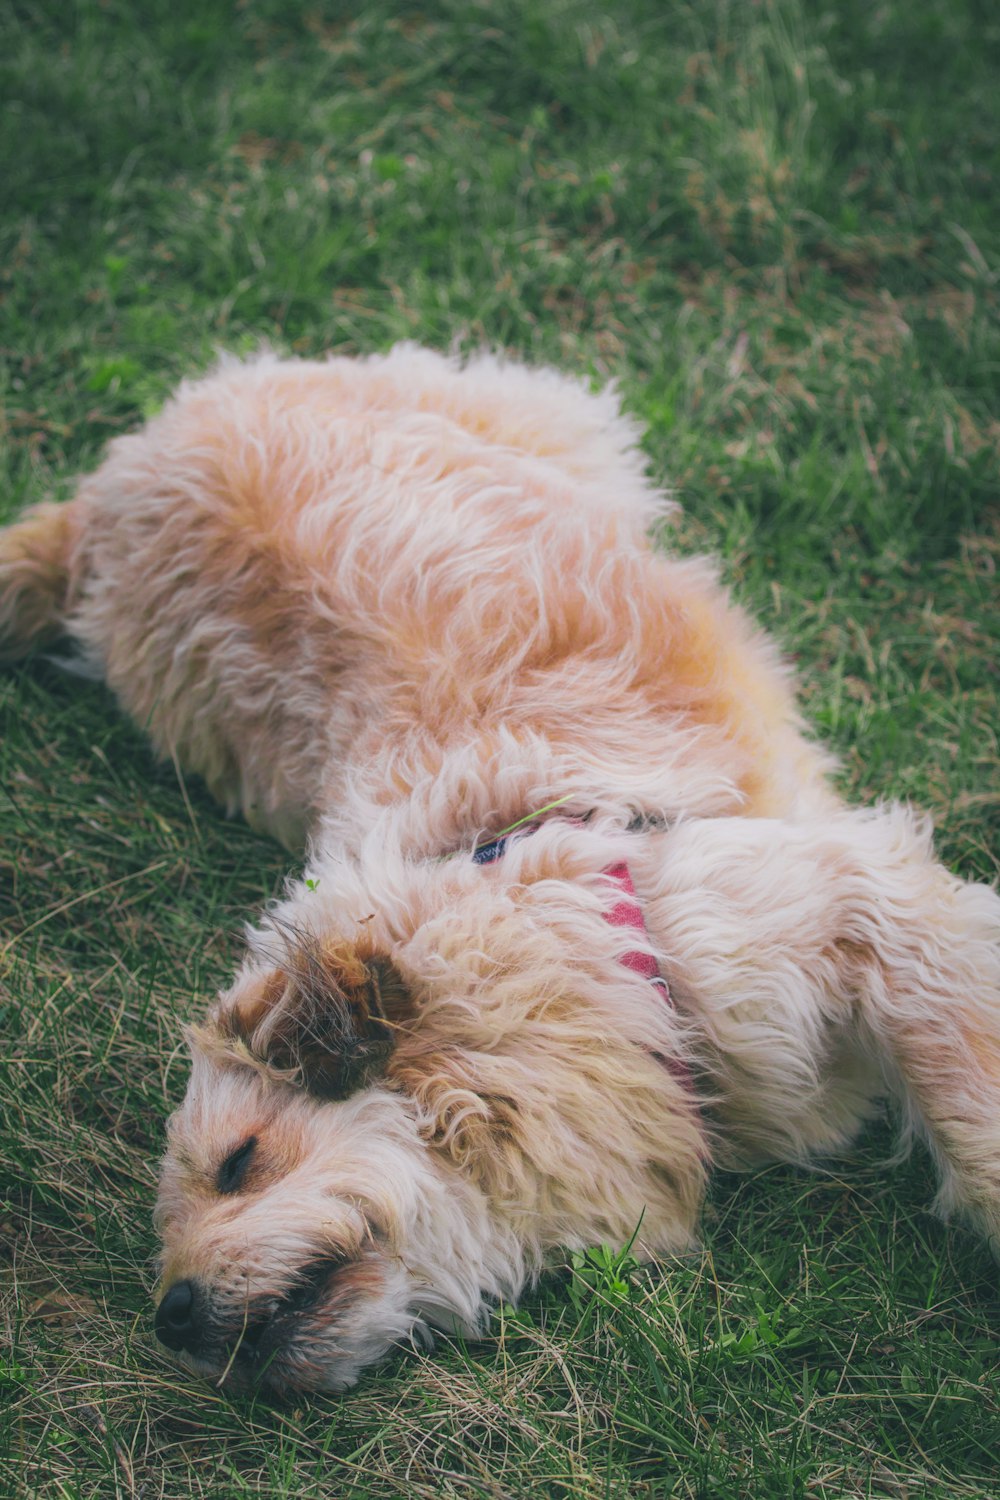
921	951
811	954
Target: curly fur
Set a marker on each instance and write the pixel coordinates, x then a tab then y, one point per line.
385	607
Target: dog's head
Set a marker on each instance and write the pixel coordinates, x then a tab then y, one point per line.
391	1115
289	1174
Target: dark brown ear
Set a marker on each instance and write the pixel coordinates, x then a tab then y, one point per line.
328	1018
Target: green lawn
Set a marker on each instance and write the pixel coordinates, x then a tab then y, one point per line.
777	225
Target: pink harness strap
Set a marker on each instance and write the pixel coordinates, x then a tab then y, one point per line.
626	912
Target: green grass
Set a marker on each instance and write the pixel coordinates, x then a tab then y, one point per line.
777	225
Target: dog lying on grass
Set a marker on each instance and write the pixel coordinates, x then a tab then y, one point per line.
581	913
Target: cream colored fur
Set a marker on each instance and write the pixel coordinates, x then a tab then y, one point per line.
385	607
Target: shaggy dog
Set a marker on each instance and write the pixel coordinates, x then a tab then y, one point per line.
391	610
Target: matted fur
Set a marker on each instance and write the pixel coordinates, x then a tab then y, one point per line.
386	607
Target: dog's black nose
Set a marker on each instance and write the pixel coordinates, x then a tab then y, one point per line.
177	1317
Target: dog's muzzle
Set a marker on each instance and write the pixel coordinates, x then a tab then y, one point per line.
188	1322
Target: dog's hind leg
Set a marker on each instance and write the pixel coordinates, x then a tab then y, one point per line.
827	959
37	565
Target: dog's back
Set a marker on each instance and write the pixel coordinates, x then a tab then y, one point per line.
298	563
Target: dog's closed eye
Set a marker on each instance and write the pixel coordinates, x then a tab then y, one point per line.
229	1178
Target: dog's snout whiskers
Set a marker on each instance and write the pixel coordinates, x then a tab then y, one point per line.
311	1283
265	1324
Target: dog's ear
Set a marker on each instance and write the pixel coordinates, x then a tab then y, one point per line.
326	1019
